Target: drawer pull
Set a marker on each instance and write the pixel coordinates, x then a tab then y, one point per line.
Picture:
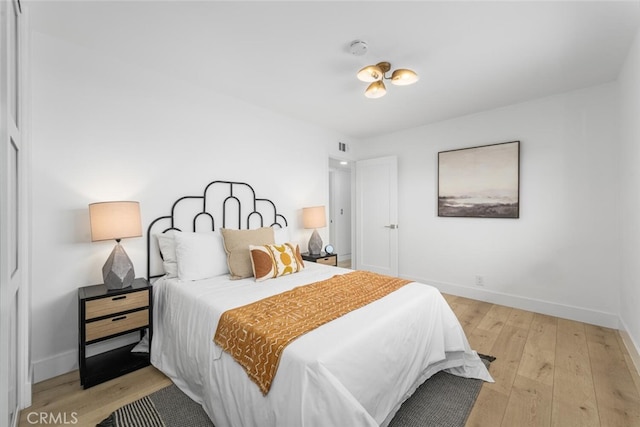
117	298
118	318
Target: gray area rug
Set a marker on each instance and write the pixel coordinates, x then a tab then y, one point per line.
444	400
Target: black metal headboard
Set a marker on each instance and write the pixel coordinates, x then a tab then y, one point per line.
219	206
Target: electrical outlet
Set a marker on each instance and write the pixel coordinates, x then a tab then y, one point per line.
479	280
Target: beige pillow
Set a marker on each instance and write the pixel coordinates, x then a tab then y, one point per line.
271	261
236	244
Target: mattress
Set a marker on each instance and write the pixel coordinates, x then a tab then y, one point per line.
353	371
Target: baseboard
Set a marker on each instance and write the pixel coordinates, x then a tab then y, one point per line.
62	363
632	347
594	317
53	366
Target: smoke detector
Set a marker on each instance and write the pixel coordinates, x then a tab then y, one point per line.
358	48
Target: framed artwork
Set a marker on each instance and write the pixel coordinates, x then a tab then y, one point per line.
480	182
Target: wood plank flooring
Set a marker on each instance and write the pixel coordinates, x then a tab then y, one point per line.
549	372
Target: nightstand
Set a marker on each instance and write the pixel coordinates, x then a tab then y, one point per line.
104	314
323	258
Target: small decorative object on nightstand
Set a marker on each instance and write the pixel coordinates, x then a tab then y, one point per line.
104	314
322	258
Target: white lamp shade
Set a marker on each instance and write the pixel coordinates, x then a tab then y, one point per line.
115	220
314	217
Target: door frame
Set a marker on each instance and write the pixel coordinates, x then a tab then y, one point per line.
332	229
15	279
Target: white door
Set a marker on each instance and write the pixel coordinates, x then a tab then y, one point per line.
340	212
377	215
15	389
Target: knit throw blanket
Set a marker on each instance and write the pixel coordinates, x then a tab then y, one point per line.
256	334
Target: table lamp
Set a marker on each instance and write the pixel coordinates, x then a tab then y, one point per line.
314	217
116	221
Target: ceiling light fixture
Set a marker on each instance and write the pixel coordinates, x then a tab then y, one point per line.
375	74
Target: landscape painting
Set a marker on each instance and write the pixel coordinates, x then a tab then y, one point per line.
480	182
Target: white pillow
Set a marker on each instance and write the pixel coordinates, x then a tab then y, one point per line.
280	235
200	255
167	245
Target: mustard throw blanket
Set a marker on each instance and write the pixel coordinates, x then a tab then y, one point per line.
256	334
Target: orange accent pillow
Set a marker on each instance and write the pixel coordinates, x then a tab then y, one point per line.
271	261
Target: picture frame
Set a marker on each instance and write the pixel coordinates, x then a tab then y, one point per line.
480	182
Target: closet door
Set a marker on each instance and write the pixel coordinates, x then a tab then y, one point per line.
14	312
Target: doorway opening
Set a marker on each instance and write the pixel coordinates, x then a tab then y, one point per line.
340	210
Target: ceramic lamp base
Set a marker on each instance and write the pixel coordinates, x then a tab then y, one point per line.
117	272
315	243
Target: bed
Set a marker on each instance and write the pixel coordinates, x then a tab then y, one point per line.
355	370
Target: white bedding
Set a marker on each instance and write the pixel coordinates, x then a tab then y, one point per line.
353	371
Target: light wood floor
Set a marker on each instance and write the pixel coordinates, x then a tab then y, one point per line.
549	372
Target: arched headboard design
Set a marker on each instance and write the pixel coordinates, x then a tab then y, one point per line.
223	204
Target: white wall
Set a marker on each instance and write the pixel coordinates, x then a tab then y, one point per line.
562	256
105	130
630	189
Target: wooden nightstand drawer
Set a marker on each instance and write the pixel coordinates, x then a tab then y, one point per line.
116	324
323	258
330	260
116	304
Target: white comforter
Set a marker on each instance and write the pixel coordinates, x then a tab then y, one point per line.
353	371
